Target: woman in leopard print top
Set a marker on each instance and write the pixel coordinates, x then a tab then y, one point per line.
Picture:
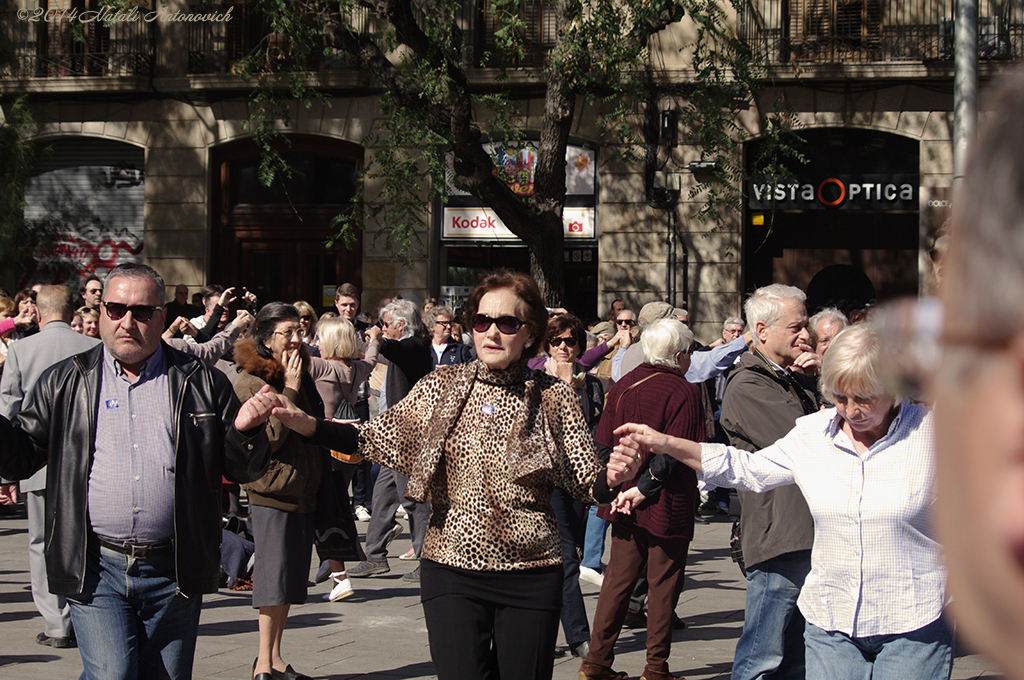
487	442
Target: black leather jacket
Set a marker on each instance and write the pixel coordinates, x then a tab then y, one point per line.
58	428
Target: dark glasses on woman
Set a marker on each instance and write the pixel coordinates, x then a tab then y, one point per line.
509	325
116	311
569	342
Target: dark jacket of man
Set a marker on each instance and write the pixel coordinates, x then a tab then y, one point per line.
759	408
412	359
453	353
58	428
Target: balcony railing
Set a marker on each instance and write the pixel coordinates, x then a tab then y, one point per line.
215	47
840	31
51	48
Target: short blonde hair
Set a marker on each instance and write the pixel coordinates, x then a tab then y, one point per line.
852	365
306	309
663	338
338	338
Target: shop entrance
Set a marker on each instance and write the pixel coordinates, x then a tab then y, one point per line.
844	227
273	240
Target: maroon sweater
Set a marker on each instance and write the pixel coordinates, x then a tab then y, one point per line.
669	404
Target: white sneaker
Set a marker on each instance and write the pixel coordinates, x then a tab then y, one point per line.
342	587
362	514
409	554
591	576
323	573
401	513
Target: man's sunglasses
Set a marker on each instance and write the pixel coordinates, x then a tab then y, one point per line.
628	322
116	311
569	342
509	325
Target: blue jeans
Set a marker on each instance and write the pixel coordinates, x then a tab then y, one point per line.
772	643
593	541
570	513
130	620
923	654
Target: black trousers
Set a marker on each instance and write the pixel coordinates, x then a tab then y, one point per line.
475	640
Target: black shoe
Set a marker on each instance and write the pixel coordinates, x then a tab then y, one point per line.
701	520
289	673
56	642
677	623
413	576
635	619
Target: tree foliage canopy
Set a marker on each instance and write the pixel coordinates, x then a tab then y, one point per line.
434	103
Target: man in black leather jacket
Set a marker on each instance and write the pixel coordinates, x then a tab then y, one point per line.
136	437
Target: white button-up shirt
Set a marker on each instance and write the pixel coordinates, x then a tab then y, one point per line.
875	568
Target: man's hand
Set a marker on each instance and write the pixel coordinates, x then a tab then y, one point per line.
227	297
373	334
808	363
257	409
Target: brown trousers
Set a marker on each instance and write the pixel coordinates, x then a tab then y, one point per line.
666	564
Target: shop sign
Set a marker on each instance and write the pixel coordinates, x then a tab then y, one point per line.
484	224
839	191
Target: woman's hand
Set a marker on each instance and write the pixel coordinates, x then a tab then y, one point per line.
627	500
624	462
683	450
373	334
560	369
256	409
622	338
292	369
173	330
293	417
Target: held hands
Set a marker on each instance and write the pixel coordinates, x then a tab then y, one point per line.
637	437
623	464
622	339
256	409
243	319
292	369
627	500
373	334
293	417
560	369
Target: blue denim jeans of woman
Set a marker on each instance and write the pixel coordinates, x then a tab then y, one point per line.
130	620
593	541
570	513
923	654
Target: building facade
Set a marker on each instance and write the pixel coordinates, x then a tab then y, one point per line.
151	159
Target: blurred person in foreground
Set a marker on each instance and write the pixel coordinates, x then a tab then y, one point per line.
979	394
874	598
487	442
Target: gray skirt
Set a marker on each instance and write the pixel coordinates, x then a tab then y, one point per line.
283	544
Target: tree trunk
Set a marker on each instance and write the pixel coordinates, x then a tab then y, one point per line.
547	253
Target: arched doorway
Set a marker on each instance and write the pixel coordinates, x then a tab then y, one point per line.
272	240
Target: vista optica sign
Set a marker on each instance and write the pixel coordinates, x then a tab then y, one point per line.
850	192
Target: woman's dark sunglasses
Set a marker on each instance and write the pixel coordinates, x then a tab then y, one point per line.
569	342
509	325
116	311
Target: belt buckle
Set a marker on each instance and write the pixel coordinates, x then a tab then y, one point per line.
137	552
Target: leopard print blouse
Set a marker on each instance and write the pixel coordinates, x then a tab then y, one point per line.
488	447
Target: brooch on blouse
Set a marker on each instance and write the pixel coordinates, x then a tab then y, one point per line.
487	410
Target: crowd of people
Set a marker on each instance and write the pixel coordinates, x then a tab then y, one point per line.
514	438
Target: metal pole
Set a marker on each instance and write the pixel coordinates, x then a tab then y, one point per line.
965	85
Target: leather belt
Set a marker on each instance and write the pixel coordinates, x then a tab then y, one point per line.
138	551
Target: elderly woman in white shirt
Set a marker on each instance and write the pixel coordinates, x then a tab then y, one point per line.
875	595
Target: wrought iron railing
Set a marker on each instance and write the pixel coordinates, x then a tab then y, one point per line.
49	46
840	31
217	47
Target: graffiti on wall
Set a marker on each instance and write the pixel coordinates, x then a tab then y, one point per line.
94	215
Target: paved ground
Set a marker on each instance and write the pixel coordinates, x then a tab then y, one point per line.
379	632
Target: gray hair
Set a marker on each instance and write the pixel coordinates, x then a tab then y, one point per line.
765	305
731	321
663	338
852	364
831	315
407	311
133	270
430	318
